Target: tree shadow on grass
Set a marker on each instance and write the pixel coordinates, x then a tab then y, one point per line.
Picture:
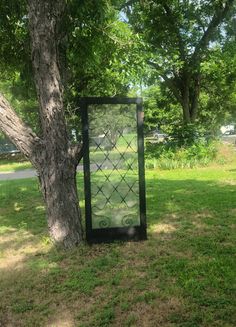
186	197
181	266
22	205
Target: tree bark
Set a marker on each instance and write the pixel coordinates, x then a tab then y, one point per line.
184	90
190	92
20	134
57	178
189	105
58	185
52	155
58	160
194	96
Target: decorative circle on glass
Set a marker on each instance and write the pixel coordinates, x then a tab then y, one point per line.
105	222
127	221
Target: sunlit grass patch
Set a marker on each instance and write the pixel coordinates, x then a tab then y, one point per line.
13	166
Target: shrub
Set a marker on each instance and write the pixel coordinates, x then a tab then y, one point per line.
171	156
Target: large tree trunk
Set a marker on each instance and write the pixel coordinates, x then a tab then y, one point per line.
57	177
58	186
194	95
190	110
190	92
52	155
58	161
185	104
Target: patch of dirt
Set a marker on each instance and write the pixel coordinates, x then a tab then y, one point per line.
225	151
163	228
171	217
228	182
203	214
157	313
15	247
12	262
64	318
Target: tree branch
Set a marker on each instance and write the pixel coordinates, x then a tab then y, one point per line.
44	18
218	17
169	81
76	152
194	96
173	21
16	130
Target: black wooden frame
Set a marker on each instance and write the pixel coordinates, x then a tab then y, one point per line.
113	233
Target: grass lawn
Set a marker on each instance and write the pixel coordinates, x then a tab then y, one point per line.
6	165
183	275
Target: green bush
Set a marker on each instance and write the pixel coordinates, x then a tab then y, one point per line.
171	156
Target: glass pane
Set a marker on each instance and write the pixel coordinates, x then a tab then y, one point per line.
113	165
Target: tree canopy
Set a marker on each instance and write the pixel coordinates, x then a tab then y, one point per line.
107	48
178	38
97	53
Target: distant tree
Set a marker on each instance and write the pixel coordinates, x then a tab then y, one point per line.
218	97
178	38
160	111
217	100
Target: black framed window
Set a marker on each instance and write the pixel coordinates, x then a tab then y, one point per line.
115	203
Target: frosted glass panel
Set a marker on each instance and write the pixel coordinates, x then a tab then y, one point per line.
113	165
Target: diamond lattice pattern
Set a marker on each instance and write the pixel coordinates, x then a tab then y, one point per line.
114	166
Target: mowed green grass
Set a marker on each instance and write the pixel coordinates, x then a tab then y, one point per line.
183	275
